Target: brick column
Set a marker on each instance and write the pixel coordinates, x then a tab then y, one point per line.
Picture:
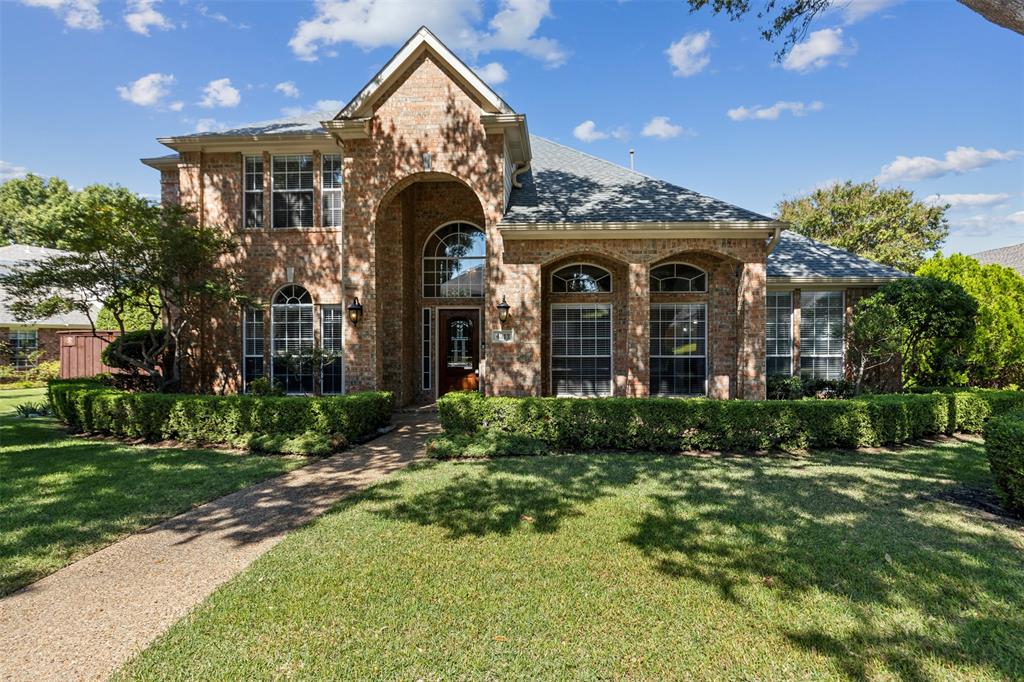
515	368
638	335
750	362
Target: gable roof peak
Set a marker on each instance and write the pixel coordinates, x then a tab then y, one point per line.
423	40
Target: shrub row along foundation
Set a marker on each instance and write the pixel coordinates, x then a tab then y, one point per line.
291	424
655	424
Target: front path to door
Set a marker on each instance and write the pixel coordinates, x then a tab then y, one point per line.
87	619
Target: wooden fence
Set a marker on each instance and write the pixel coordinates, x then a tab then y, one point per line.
80	353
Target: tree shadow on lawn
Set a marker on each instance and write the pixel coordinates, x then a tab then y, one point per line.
63	497
907	577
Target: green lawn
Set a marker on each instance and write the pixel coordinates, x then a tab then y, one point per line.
835	566
62	497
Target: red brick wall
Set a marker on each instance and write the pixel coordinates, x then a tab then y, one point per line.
392	203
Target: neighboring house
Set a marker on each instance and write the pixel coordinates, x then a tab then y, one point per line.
1008	256
427	199
23	339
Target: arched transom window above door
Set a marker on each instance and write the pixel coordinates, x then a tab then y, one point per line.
678	278
581	278
453	262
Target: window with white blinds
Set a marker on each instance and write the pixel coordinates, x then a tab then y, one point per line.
581	349
252	346
292	338
779	333
821	334
330	189
293	190
428	332
253	192
679	365
332	333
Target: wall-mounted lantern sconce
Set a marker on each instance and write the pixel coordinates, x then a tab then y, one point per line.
355	311
503	309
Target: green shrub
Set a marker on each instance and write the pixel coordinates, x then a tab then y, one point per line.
268	423
137	345
664	424
1004	444
39	409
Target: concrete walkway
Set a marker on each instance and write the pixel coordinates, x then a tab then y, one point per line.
89	618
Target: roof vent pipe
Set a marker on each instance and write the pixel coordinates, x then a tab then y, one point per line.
632	157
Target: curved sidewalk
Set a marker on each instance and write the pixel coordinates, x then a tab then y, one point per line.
89	618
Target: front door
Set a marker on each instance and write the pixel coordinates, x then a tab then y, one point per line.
459	359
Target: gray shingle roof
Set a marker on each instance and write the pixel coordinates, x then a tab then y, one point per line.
798	256
565	185
1008	256
304	124
14	254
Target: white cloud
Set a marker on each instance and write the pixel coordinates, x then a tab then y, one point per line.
760	113
856	10
818	50
374	23
220	93
147	91
8	171
662	128
325	107
688	55
588	132
209	125
1016	218
142	15
493	73
959	160
288	89
956	201
207	13
176	106
84	14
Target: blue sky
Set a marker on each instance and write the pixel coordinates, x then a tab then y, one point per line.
927	95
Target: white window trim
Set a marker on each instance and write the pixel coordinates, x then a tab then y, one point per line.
15	356
248	193
650	273
791	344
245	345
426	350
323	338
331	191
274	191
804	294
611	347
707	368
424	258
611	280
274	308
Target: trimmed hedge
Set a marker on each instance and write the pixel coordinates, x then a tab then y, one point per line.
1004	445
664	424
268	423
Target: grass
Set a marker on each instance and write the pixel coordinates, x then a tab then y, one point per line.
63	497
834	566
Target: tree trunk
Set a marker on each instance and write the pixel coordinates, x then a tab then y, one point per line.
1006	13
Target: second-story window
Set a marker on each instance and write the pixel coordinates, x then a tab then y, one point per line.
331	190
253	192
293	190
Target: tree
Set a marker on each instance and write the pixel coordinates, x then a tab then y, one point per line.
790	19
139	315
34	211
933	325
996	354
124	248
885	225
873	341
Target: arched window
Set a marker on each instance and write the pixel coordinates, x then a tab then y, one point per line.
453	262
581	279
292	339
678	278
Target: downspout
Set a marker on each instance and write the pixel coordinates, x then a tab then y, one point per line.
773	241
520	169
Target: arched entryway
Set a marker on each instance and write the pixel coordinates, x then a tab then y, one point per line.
431	246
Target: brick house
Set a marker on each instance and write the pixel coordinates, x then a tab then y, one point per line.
485	257
24	342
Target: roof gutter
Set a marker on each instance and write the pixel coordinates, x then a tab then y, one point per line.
774	241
